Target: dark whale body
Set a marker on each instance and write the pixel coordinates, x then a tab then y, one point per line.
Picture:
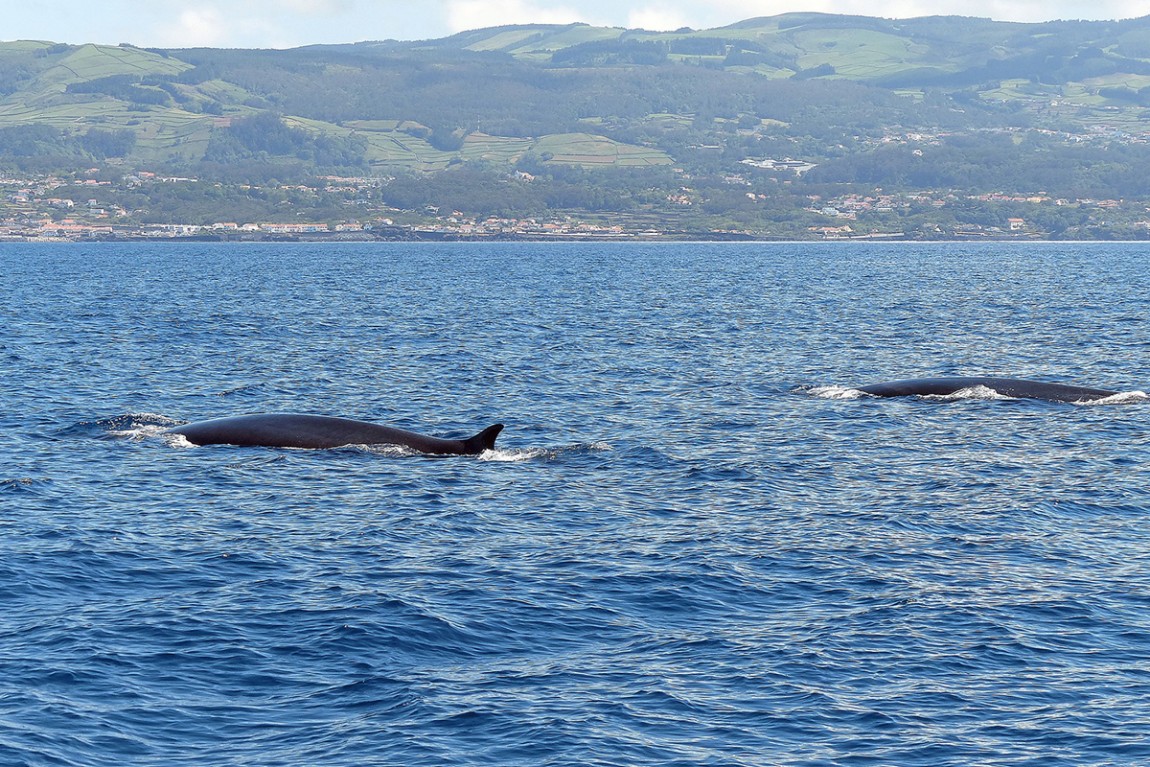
319	432
1007	387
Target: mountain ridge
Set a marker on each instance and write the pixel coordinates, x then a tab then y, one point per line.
736	124
186	95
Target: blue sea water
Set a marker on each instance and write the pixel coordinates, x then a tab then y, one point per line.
694	544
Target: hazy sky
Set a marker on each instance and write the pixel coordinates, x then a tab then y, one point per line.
288	23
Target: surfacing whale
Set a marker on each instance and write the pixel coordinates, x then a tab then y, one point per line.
320	432
1007	387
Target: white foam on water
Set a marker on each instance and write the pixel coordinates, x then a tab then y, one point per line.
1119	398
138	426
519	455
970	392
836	392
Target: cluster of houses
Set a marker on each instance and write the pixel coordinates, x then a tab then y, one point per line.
49	230
35	209
71	229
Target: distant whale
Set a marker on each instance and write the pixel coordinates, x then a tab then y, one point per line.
319	432
1007	387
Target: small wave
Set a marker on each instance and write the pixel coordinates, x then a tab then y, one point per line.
133	426
22	485
499	455
247	388
521	455
254	464
834	392
846	392
175	440
970	392
978	392
141	432
1120	398
512	456
393	451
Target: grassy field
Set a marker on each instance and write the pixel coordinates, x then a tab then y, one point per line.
540	41
162	133
861	54
587	149
390	146
91	62
171	133
38	76
396	149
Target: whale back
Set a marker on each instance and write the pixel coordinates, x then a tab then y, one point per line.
1007	387
319	432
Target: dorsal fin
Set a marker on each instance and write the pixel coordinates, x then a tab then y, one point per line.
484	440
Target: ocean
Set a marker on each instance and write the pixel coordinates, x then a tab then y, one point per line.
694	543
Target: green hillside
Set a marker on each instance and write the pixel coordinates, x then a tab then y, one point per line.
918	52
728	128
502	94
173	108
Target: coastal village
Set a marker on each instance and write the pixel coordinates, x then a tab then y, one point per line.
54	209
32	209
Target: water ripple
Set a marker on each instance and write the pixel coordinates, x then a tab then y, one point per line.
694	544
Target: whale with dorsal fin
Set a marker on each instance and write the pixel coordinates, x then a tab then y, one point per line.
320	432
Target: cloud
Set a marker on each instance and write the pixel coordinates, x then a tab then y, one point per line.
319	7
257	23
198	27
1000	10
656	19
303	20
463	15
286	23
